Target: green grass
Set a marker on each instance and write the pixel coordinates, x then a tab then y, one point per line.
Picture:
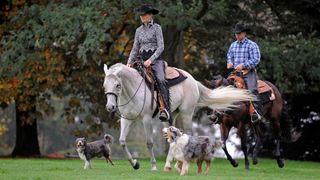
221	169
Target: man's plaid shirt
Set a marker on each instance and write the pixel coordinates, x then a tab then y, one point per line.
246	52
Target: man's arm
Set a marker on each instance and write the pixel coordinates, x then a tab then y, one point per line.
254	57
230	57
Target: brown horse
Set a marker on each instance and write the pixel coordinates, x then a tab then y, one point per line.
280	125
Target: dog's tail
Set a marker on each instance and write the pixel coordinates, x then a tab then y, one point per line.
108	138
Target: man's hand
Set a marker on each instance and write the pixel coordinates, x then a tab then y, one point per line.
147	63
229	66
239	67
130	65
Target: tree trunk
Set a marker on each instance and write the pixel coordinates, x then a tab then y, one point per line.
173	52
27	143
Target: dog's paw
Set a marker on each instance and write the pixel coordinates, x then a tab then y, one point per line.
167	169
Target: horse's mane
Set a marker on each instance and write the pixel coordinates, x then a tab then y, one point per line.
116	67
120	69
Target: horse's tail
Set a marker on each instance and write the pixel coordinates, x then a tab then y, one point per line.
223	98
288	132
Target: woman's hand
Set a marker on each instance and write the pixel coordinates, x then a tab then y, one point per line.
147	63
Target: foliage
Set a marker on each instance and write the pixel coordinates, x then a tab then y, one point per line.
59	48
292	62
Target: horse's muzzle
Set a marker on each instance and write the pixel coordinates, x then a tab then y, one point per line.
111	105
111	108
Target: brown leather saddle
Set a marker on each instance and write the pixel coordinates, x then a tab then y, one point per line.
173	76
263	87
266	92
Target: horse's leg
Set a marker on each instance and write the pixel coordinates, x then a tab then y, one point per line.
224	130
280	160
147	124
243	137
256	149
184	121
277	135
125	126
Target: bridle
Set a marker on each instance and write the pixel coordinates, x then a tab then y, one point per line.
117	106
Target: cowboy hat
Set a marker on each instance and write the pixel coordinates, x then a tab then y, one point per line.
240	27
147	8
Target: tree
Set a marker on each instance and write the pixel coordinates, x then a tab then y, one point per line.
47	55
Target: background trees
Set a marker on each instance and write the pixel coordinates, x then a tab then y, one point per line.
56	49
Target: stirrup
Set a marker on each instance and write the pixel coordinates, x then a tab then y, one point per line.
256	117
164	115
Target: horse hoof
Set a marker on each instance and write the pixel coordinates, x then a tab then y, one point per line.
254	161
234	163
154	168
136	166
280	163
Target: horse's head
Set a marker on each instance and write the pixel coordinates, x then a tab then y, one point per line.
112	88
218	81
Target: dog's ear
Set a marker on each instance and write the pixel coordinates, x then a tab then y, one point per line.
171	128
108	138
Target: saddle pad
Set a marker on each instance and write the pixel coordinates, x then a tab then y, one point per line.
171	73
263	87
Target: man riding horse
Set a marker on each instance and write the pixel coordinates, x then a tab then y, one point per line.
148	42
244	55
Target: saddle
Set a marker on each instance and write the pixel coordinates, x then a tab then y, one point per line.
266	92
173	76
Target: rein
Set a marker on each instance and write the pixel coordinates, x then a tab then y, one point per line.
144	101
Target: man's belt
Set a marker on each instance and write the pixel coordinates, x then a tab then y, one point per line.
245	71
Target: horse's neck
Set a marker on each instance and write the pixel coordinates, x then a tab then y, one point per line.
131	82
226	82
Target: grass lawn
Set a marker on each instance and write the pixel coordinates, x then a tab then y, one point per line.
221	169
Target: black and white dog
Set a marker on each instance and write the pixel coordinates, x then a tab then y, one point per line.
98	148
184	148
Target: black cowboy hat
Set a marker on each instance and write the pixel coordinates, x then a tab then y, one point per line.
147	8
240	27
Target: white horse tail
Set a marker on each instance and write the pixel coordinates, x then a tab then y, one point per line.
223	98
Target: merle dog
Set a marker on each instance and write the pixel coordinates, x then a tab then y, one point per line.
184	148
98	148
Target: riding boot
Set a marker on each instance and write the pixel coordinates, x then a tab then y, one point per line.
258	114
165	113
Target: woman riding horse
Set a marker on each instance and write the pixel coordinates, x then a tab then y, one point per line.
148	41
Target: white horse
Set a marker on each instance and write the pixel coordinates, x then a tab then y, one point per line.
126	91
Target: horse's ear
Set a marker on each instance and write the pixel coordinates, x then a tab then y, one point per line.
105	68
